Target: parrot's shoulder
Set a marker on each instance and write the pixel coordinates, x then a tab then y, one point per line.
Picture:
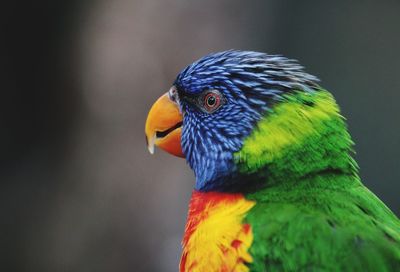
346	229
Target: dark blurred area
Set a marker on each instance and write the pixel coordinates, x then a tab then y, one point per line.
79	191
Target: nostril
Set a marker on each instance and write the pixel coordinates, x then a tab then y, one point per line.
172	94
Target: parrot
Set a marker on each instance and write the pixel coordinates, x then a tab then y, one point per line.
276	185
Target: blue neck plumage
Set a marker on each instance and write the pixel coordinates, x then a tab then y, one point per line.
209	151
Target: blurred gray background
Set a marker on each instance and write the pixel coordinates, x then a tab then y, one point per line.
80	192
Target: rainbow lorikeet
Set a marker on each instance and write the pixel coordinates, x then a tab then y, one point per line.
276	186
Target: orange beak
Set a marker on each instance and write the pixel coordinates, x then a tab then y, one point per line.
164	126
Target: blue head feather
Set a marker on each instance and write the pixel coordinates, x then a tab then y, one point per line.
251	83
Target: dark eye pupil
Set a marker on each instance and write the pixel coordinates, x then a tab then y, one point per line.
211	101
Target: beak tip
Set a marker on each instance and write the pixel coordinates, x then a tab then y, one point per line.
150	144
151	149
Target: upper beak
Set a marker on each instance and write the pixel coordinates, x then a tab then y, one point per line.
163	126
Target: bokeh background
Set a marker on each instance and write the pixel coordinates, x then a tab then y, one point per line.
80	192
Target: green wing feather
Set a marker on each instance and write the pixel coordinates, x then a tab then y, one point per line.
323	228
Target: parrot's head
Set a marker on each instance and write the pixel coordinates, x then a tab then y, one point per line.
215	103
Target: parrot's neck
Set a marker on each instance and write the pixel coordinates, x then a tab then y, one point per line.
304	136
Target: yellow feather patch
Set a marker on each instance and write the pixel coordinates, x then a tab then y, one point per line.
215	237
287	125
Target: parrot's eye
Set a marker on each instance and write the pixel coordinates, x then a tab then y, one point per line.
212	101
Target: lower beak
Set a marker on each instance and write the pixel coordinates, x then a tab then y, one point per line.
164	126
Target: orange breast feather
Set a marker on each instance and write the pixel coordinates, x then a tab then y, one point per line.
215	237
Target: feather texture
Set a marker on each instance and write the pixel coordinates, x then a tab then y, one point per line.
215	237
